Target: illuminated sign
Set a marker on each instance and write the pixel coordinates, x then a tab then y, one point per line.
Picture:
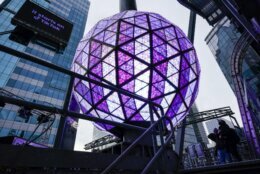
43	23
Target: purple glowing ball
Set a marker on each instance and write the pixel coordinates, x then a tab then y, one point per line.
144	54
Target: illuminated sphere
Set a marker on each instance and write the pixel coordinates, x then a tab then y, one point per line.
144	54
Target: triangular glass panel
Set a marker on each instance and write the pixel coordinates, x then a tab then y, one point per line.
141	21
169	87
81	89
97	70
174	79
139	67
100	36
171	69
143	92
129	47
130	20
93	61
128	32
191	56
162	49
157	41
156	77
93	46
139	103
101	114
184	63
171	51
113	27
175	44
179	32
123	58
139	47
119	113
107	68
111	77
125	26
128	67
111	40
165	23
145	40
145	77
157	89
175	62
139	31
157	57
114	98
139	85
156	25
123	38
110	59
185	44
129	86
195	67
145	55
112	106
169	98
162	68
145	113
105	50
123	76
103	106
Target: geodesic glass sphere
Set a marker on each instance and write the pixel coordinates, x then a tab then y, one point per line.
144	54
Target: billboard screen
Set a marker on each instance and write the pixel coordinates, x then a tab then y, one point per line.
43	22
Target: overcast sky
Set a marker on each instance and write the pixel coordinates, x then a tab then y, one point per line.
214	91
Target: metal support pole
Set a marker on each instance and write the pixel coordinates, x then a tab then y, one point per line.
127	5
181	129
62	123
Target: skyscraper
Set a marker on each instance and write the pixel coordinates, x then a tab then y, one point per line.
224	35
208	9
199	129
34	82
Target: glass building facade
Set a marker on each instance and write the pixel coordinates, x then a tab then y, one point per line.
221	41
208	9
34	82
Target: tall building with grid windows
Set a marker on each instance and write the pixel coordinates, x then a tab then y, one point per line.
225	35
34	82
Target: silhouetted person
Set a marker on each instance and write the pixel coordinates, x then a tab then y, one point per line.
230	139
220	148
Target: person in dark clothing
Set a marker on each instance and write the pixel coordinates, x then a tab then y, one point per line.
230	139
220	148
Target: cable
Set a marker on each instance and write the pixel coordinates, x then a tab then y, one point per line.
38	125
43	132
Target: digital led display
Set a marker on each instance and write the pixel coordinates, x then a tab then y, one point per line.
43	23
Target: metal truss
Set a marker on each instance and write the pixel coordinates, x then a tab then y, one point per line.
108	139
209	115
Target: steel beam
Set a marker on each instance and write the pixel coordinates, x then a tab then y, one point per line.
66	112
181	130
39	61
127	5
62	123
